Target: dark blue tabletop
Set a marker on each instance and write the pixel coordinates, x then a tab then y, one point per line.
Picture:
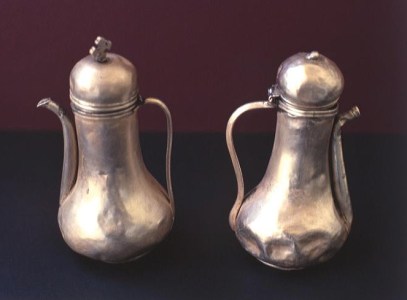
201	258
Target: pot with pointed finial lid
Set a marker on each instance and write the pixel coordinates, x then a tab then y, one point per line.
111	207
300	213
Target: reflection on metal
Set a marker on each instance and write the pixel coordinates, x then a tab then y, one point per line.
111	208
300	213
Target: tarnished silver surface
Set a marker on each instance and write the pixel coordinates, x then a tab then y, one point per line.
111	207
309	81
103	83
300	213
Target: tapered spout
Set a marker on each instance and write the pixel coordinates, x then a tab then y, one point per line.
340	183
70	162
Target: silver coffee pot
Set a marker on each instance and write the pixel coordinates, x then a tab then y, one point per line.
111	207
300	213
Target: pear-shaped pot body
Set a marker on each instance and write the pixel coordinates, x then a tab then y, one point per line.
290	220
116	211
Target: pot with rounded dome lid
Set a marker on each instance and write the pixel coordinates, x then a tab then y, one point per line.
300	213
111	207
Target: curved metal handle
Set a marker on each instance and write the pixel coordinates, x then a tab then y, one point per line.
169	147
232	152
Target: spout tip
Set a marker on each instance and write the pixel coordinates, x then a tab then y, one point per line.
351	114
44	102
355	112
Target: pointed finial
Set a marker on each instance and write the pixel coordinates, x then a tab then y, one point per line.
98	51
314	55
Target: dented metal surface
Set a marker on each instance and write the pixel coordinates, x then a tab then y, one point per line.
111	208
300	213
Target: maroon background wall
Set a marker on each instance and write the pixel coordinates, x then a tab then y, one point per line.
205	58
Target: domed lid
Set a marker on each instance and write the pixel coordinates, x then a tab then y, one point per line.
103	82
309	81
